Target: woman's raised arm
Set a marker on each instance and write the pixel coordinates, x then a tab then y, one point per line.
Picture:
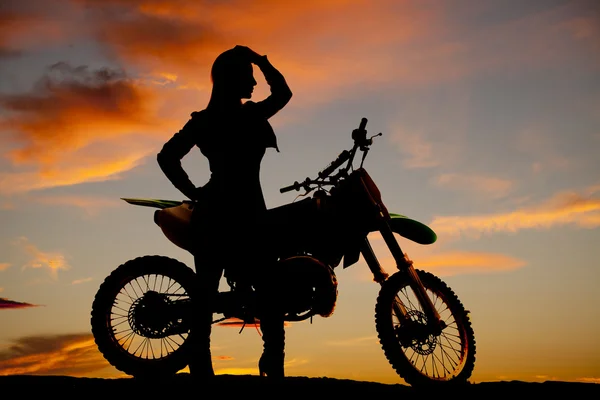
280	91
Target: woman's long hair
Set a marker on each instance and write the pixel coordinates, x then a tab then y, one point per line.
226	66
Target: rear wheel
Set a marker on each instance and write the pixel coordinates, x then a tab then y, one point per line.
417	355
140	316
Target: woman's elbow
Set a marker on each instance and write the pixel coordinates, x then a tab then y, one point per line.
163	159
287	95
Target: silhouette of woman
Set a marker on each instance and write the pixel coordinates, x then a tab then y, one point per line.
234	136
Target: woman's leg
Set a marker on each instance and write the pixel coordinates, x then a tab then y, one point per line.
271	315
271	363
208	272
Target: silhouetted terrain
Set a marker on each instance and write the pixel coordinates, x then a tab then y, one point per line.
233	386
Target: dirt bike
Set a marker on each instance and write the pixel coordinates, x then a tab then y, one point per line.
141	315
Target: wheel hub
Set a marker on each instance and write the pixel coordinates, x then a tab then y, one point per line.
148	315
416	334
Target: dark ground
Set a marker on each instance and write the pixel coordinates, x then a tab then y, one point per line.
234	386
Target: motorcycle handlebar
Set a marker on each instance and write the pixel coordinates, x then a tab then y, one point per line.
295	186
342	158
358	135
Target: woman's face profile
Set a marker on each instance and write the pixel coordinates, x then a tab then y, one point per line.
245	82
232	76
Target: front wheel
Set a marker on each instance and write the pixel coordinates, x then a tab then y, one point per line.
419	356
140	316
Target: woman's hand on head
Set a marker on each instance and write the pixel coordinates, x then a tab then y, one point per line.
248	53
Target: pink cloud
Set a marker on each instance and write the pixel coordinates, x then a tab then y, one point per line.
6	304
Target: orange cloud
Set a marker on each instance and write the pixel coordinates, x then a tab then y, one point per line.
325	49
314	43
71	355
464	262
92	168
25	28
157	34
481	185
11	304
563	209
71	108
78	125
588	380
53	261
90	205
9	24
4	266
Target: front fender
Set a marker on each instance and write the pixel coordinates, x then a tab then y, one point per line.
412	230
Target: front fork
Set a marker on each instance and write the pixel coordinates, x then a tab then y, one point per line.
405	265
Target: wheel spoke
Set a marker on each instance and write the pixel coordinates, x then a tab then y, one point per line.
170	284
126	292
122	309
162	280
168	341
151	348
147	282
140	287
128	329
118	323
436	357
451	339
128	339
141	345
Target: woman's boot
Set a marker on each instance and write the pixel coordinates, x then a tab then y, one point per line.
272	358
200	358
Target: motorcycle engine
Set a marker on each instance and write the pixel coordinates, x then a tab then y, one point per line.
310	287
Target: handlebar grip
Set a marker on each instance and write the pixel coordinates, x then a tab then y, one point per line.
295	186
363	124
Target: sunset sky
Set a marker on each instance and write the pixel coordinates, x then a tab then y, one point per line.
490	114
